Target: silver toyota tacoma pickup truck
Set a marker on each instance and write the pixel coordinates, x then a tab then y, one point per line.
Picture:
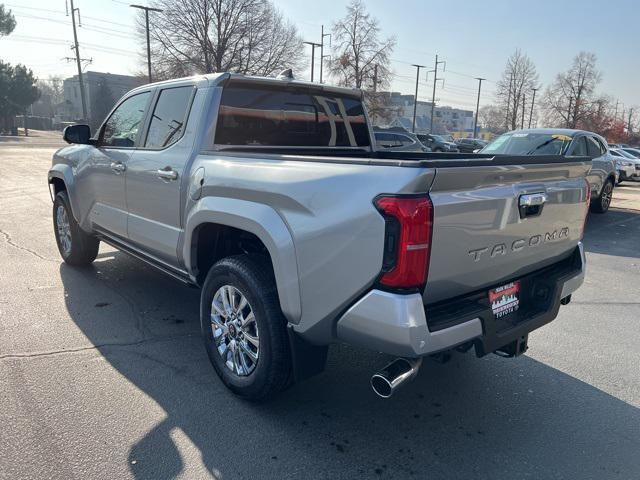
269	195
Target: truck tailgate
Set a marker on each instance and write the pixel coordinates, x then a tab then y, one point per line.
481	236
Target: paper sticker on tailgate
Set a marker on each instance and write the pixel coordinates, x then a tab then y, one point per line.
505	299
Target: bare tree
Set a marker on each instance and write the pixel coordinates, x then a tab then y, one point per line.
519	78
360	56
203	36
491	117
571	101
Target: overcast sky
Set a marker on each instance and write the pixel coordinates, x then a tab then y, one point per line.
474	37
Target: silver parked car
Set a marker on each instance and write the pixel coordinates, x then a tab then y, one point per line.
398	140
628	166
569	143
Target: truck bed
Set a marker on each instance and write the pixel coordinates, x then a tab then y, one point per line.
399	159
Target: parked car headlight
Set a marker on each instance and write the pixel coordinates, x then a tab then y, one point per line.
624	163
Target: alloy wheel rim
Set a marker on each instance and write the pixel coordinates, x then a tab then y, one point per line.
64	229
606	196
235	331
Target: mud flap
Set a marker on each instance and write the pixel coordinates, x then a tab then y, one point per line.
307	359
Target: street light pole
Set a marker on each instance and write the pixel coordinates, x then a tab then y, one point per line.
146	16
475	122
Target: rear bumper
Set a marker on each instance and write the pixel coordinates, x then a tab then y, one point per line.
401	325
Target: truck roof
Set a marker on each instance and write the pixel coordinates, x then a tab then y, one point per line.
216	79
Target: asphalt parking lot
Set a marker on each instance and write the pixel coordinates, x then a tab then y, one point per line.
103	375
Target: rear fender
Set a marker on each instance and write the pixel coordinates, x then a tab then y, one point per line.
265	223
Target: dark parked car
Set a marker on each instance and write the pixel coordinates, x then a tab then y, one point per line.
437	143
398	139
470	145
568	143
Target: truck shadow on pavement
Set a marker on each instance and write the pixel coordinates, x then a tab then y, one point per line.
469	418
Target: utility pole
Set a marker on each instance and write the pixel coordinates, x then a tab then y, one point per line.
532	102
629	123
524	104
415	100
569	112
322	55
146	17
615	115
313	54
433	96
77	49
475	122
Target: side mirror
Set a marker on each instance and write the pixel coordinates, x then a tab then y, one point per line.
80	134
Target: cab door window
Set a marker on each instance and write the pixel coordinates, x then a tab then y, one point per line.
169	117
125	123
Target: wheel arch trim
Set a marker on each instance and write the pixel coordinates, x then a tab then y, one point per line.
64	173
266	224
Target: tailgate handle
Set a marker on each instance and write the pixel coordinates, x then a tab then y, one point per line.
530	204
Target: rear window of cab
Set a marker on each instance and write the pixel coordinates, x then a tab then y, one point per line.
271	116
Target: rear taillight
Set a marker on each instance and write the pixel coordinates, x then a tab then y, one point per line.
587	200
407	246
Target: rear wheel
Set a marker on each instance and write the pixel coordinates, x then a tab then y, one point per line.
75	245
243	327
602	203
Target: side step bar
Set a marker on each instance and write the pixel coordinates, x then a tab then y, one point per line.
123	246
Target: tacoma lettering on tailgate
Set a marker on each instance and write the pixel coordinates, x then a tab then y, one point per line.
520	244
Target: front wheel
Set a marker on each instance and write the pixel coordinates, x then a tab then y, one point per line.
75	245
243	328
602	203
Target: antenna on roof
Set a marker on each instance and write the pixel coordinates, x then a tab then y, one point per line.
286	74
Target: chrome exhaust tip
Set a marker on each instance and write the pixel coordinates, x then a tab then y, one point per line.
393	376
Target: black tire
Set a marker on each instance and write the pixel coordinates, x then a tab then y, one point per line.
83	248
251	276
603	202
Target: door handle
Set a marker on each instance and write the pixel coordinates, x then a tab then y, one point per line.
118	167
167	174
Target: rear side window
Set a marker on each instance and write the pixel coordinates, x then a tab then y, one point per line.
404	140
169	117
387	139
601	145
580	148
593	147
264	116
